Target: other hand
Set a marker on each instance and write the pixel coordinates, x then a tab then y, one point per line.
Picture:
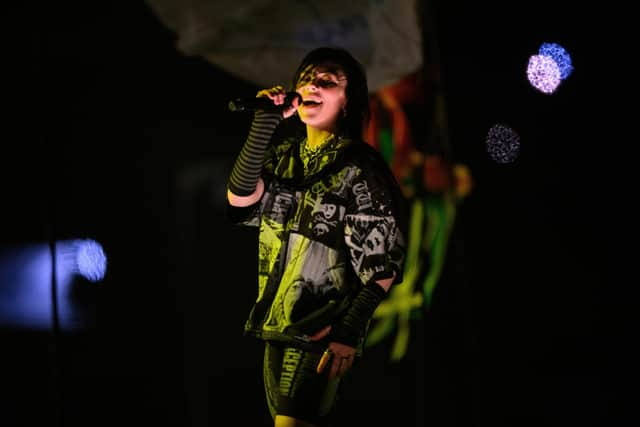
339	356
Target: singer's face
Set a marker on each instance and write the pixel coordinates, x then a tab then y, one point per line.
323	96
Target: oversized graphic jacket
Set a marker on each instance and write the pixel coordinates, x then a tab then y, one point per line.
330	222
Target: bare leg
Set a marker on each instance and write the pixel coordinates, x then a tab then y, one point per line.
284	421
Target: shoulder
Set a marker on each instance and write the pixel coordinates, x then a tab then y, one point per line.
379	178
361	153
370	162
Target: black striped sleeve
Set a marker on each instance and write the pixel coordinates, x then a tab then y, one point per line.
246	170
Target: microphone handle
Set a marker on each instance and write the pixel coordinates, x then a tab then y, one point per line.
261	103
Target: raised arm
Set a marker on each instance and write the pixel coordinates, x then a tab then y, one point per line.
245	185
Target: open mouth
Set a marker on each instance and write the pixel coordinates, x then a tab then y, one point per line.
311	103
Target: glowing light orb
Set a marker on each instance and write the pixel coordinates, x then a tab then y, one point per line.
503	144
91	260
560	56
543	73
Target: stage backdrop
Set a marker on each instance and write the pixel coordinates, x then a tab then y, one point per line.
263	41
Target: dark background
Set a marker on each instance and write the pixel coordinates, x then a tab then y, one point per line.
111	133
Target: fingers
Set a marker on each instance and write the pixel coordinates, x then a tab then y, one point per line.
340	366
289	112
277	94
335	368
339	363
344	365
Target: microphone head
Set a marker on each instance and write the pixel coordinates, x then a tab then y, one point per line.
236	105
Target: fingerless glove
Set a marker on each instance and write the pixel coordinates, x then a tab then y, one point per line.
246	170
351	326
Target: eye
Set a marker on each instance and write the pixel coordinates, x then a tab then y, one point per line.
326	83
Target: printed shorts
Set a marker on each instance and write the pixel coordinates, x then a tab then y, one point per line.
294	388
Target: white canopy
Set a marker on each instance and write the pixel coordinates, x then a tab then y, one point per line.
263	41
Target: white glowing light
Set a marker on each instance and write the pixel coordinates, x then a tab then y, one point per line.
503	144
543	73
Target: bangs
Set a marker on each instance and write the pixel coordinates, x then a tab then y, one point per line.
325	67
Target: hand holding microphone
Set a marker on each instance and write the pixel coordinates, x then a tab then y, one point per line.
275	99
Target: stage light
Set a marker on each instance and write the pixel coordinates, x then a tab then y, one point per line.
26	281
560	56
90	260
543	73
503	143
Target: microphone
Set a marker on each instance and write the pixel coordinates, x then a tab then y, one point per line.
262	103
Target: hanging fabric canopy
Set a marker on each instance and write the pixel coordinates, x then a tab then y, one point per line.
263	41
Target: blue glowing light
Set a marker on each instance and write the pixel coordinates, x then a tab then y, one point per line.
91	260
27	282
543	73
26	287
560	56
503	144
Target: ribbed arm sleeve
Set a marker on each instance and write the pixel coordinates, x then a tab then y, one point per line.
248	165
350	328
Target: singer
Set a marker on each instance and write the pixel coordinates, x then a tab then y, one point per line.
332	233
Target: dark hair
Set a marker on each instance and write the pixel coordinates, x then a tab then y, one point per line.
356	118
